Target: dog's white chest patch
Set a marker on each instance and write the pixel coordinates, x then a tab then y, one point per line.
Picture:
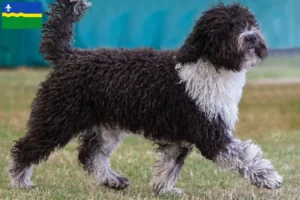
215	93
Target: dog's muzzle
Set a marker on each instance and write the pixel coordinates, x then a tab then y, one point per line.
254	41
251	38
250	41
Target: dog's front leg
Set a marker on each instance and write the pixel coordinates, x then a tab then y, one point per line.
246	159
167	167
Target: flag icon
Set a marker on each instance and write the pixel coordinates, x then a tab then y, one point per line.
22	15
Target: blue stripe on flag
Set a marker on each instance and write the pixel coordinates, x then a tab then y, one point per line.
25	7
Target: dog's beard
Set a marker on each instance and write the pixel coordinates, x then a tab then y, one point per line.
251	59
254	51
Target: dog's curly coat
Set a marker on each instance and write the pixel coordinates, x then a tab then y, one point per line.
178	99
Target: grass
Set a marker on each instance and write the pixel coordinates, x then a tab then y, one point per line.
277	68
269	114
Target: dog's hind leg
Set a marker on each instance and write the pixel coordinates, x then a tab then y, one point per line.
246	159
39	142
97	145
58	114
165	172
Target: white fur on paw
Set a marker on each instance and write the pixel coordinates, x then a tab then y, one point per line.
274	181
160	190
22	184
21	180
176	191
267	178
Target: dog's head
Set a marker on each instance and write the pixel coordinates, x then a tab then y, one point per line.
227	36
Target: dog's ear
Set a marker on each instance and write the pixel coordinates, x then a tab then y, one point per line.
192	49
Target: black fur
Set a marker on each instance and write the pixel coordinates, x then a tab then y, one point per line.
137	90
58	31
214	37
89	145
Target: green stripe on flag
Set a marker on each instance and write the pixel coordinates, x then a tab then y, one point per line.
21	23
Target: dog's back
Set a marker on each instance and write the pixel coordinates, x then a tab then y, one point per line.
138	90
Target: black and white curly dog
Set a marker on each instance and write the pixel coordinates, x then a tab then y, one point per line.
177	99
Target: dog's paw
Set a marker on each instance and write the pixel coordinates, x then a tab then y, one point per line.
267	178
116	182
22	184
176	191
160	189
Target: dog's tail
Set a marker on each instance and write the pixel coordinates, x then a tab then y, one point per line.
58	30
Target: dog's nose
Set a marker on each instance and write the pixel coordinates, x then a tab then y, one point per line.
250	38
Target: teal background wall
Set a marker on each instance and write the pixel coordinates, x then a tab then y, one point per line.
162	24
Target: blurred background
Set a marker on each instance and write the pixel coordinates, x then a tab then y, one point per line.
161	24
269	111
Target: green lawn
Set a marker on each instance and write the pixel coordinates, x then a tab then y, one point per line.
277	68
269	114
